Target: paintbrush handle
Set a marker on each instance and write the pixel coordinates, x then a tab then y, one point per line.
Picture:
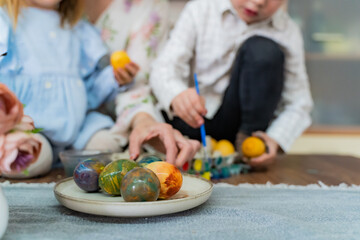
202	127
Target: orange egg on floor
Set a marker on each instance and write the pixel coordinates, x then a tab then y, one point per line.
170	178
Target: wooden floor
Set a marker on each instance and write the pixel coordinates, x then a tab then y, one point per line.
289	169
306	169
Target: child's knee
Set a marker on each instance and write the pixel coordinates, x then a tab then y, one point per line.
262	51
105	140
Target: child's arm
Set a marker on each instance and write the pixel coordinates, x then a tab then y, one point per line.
4	34
293	116
98	74
143	44
171	71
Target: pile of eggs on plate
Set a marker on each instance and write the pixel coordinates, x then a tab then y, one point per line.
149	179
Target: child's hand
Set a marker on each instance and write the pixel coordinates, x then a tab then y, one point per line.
125	76
268	157
162	137
190	107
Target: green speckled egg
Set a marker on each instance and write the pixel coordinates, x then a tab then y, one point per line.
111	177
149	159
139	185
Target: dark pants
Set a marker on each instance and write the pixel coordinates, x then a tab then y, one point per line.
249	102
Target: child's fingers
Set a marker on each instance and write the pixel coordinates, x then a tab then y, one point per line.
197	102
185	150
194	116
202	100
119	78
258	160
186	115
182	108
199	105
131	69
195	108
124	76
167	137
135	66
135	141
262	161
265	159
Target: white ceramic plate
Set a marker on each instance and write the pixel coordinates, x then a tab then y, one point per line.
194	192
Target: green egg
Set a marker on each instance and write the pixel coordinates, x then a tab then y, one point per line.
140	184
149	159
111	177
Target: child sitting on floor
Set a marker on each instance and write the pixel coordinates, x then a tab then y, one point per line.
55	66
249	59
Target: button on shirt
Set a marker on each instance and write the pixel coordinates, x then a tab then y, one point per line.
205	40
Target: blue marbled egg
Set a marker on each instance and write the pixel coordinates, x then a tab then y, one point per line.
86	174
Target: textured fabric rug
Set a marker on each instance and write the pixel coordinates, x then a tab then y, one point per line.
232	212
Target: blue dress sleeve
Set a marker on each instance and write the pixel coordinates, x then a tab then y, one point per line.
5	28
9	63
99	80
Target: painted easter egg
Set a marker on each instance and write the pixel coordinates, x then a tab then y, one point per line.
169	176
86	174
139	185
111	177
225	147
253	147
119	59
149	159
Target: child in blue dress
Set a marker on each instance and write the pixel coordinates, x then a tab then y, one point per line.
57	66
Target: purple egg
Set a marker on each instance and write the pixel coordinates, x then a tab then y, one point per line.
86	174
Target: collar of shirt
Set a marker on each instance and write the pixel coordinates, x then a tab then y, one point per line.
278	20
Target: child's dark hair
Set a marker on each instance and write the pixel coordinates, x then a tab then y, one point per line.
70	10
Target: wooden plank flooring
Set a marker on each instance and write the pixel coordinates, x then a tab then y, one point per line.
289	169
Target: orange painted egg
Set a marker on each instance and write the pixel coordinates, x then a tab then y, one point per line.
169	176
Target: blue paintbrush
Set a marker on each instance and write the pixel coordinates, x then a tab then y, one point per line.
202	127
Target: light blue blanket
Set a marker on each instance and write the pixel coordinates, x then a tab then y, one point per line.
241	212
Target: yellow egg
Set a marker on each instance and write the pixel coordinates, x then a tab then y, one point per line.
225	147
119	59
213	143
197	165
206	175
253	147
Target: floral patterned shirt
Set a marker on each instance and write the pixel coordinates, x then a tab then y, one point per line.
140	28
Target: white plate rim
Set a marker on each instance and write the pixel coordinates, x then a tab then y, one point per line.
99	202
